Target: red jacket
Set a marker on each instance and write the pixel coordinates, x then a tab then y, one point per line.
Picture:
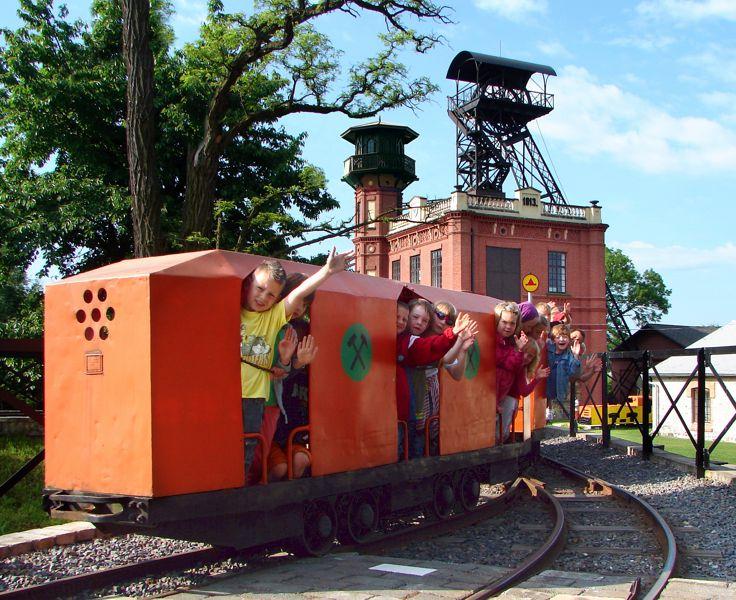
508	365
421	351
520	386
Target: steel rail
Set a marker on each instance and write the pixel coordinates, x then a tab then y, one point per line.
537	560
662	530
99	579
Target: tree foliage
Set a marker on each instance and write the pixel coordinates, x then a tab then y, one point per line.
229	175
639	297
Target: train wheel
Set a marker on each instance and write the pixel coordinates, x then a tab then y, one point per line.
359	519
468	490
443	498
320	527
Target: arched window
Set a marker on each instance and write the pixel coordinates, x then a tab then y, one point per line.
370	145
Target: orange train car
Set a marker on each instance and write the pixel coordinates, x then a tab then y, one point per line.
144	424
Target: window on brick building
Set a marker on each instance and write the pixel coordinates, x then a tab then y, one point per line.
437	268
557	272
396	270
694	405
371	216
503	273
414	271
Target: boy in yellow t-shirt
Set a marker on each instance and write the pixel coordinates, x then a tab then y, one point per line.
261	318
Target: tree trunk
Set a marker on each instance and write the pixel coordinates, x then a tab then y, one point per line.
199	198
141	128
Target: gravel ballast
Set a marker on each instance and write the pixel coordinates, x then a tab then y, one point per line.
703	508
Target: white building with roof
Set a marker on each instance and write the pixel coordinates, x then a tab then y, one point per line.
676	370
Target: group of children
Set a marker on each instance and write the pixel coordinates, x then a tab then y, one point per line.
522	330
428	337
276	348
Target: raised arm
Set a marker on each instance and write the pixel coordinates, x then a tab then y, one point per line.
335	264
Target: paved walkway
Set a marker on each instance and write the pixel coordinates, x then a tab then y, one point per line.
363	577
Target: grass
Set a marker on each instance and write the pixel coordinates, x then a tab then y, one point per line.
20	508
725	451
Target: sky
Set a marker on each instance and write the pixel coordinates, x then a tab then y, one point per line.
644	121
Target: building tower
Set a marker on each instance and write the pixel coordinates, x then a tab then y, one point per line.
491	109
378	171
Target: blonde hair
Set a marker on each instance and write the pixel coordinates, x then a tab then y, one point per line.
511	307
531	368
560	328
448	308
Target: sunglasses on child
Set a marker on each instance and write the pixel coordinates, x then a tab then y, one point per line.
442	315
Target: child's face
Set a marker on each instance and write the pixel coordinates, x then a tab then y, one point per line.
418	320
507	324
528	326
263	292
576	336
402	317
299	309
439	324
562	342
530	353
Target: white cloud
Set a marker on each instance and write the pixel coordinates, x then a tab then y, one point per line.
648	42
515	10
597	119
677	258
716	60
689	10
190	12
554	49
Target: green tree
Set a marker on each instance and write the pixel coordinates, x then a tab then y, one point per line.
639	297
228	175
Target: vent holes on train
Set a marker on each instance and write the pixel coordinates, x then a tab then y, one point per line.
104	332
88	296
102	294
81	316
96	314
110	313
89	333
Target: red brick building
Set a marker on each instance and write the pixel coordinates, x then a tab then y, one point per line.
480	244
477	239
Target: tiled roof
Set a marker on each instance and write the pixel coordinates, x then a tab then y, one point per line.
724	364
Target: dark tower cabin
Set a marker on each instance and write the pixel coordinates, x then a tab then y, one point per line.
378	171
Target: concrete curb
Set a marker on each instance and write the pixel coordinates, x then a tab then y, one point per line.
20	542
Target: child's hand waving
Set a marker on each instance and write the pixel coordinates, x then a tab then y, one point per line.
287	346
305	352
339	262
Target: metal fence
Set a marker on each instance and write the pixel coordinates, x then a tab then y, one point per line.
21	391
633	373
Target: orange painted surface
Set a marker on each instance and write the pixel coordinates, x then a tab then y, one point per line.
98	426
163	416
354	423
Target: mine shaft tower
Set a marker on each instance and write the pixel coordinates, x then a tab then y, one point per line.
491	108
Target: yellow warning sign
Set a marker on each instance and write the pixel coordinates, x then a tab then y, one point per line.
530	282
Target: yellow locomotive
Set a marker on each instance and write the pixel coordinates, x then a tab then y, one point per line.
630	413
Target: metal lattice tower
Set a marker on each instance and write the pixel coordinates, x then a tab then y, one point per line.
491	109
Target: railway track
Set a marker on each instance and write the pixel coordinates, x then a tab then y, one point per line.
572	498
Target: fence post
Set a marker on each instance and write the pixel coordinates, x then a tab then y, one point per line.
646	437
606	432
573	420
700	440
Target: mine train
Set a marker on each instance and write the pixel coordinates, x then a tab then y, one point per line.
143	417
